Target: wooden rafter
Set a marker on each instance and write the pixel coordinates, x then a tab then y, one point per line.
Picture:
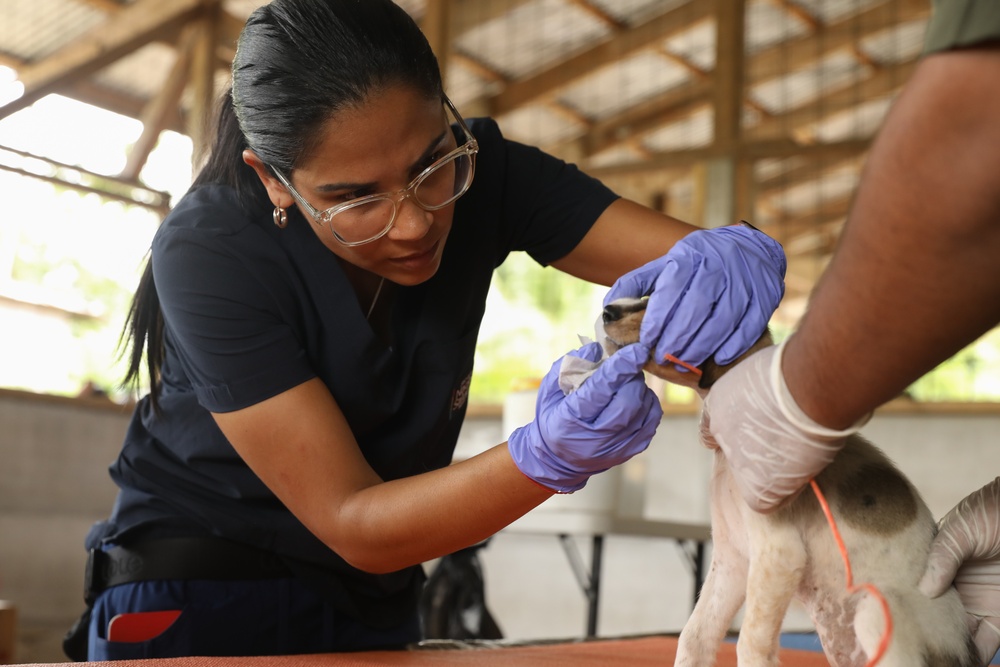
679	102
885	81
799	12
436	26
77	178
110	6
162	108
598	13
805	173
625	42
643	118
806	49
127	31
202	82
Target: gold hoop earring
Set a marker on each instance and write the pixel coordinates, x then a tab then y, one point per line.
280	217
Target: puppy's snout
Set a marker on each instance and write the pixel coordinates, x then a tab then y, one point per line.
621	308
622	319
613	313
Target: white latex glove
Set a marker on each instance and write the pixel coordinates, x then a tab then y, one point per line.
773	448
966	551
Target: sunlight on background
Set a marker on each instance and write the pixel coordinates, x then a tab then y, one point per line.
69	260
10	87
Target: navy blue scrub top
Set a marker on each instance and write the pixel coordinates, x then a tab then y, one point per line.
251	311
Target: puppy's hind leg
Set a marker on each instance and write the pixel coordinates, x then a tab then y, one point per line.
721	596
776	570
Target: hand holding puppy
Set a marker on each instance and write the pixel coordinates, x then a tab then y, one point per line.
773	447
608	420
966	551
711	295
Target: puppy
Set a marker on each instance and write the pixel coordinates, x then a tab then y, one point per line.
765	561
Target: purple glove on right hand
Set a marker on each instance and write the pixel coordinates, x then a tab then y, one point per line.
711	295
608	420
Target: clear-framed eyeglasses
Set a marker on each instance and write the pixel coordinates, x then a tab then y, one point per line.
369	218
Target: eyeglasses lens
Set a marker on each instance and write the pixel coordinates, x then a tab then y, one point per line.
444	184
441	186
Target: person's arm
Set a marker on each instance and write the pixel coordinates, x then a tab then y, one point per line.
624	237
916	276
301	447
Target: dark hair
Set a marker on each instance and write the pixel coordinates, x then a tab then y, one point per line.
298	63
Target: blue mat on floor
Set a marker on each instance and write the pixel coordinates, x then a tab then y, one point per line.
808	641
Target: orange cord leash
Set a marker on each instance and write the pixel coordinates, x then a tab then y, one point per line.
851	588
683	364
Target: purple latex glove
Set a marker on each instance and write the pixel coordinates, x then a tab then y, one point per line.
608	420
711	295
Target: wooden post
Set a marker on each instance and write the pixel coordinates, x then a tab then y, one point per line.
202	84
722	173
8	632
436	26
162	107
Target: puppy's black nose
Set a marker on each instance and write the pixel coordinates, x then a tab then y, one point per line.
612	313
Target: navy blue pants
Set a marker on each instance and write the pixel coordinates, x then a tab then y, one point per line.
237	618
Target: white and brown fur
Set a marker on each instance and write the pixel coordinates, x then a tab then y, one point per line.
764	561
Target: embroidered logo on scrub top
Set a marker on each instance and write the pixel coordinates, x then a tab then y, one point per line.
460	396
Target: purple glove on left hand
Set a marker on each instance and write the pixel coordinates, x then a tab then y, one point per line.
711	295
608	420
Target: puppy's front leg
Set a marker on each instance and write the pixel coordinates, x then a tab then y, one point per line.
724	589
720	598
777	565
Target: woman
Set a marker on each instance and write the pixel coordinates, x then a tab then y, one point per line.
309	316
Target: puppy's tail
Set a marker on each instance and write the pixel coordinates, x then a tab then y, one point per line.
926	632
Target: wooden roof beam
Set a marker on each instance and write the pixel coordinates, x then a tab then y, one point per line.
749	150
643	118
623	43
130	29
841	34
790	229
596	12
228	31
804	173
162	108
110	6
469	14
202	84
884	81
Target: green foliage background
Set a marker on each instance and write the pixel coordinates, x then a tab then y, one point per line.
91	251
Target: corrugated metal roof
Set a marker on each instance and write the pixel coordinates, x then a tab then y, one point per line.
624	87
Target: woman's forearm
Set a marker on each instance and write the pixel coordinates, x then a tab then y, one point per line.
411	520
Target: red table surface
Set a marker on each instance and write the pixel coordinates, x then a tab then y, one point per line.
634	652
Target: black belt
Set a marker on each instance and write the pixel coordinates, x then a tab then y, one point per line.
178	558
